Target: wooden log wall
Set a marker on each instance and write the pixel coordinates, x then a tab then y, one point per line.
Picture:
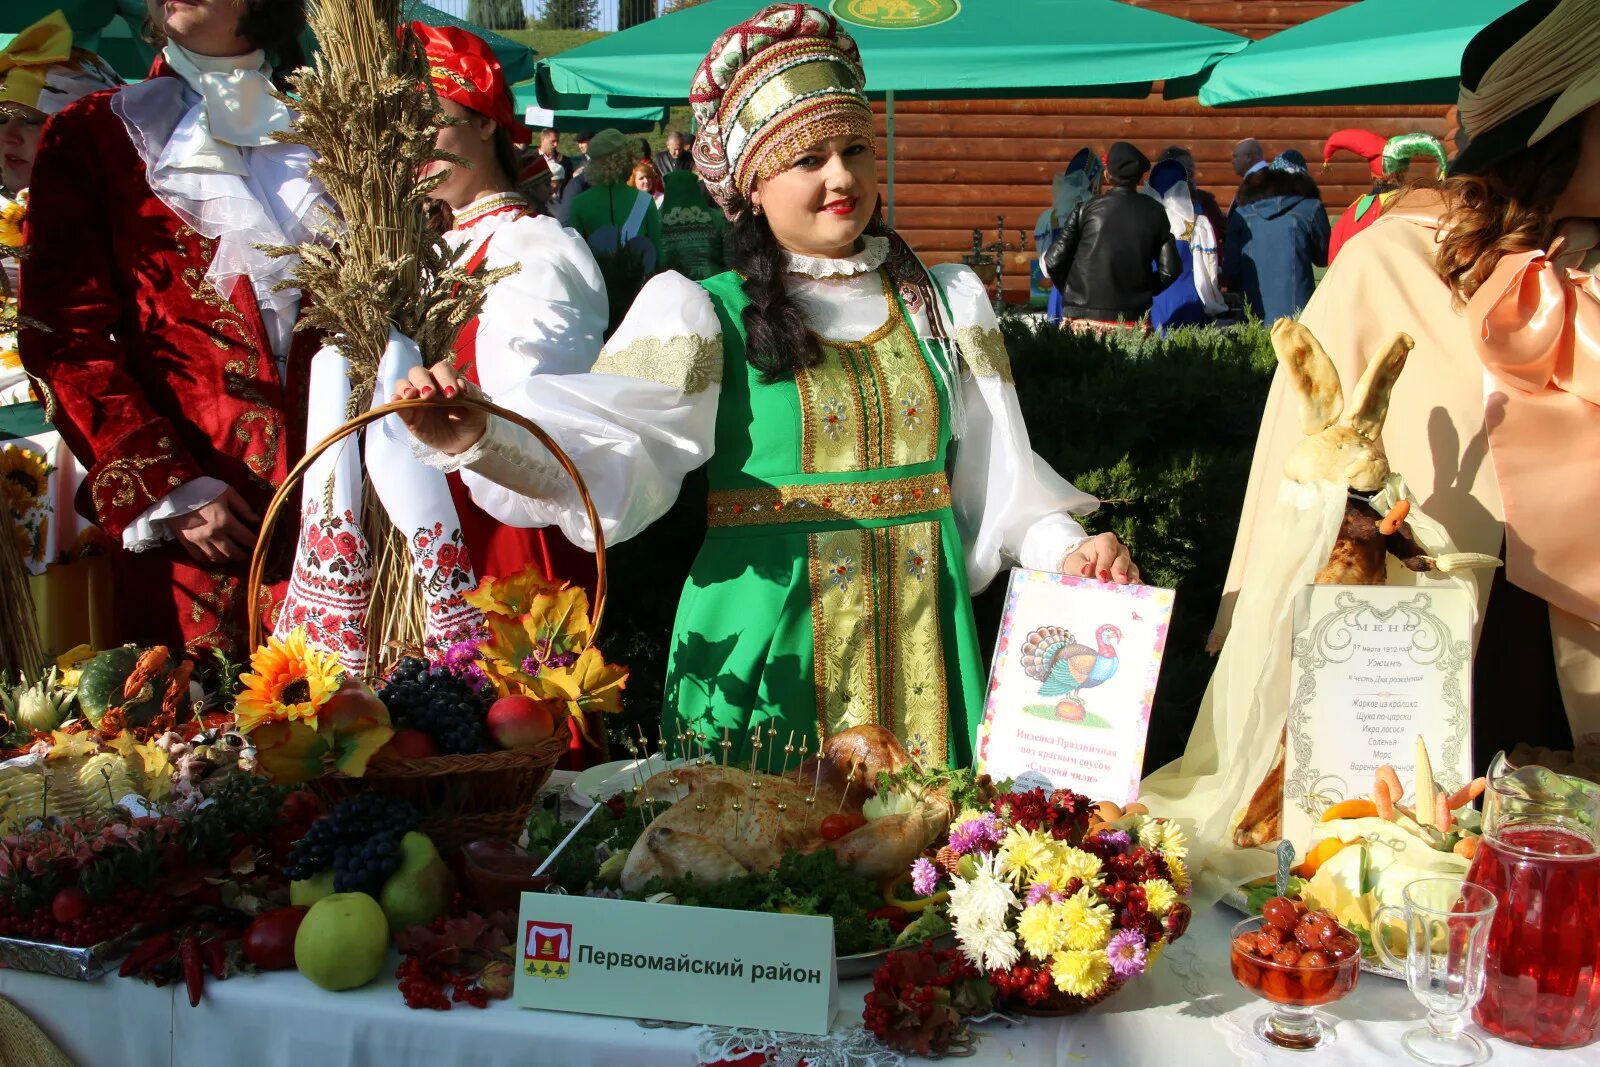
961	164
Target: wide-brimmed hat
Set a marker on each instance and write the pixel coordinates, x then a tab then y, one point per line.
1524	75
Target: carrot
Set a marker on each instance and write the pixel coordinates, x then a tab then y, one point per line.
1392	522
1467	847
1382	800
1387	775
1468	793
1441	813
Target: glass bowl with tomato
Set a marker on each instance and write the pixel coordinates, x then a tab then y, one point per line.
1298	960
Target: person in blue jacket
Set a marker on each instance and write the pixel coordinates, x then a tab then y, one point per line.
1277	235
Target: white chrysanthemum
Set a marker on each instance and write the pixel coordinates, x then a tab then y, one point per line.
1160	895
1164	836
1080	972
1087	919
989	946
1023	853
1043	929
984	898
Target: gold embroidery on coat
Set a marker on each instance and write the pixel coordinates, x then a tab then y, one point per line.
688	362
124	480
985	352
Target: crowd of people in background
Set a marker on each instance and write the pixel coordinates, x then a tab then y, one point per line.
1113	262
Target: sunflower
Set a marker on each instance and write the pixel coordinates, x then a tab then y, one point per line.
290	681
24	479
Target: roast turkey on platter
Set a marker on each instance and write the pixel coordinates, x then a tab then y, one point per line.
723	822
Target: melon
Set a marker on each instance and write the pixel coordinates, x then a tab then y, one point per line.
100	687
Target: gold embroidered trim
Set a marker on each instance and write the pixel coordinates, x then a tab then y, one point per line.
124	479
688	362
985	352
844	603
893	498
452	76
919	698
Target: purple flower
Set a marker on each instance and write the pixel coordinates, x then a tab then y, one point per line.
1117	840
980	833
1127	954
1041	891
924	877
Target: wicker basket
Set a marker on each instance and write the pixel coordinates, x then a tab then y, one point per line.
461	798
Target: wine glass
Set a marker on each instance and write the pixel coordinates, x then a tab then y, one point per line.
1295	990
1447	934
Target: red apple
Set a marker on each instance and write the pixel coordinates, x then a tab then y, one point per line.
69	905
519	721
411	743
269	941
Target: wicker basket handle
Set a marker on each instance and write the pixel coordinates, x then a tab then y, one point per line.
258	560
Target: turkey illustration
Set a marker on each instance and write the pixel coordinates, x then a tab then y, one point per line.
1063	667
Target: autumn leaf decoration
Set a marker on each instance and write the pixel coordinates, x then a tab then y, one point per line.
539	643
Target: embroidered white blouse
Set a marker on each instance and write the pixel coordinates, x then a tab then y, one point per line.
646	417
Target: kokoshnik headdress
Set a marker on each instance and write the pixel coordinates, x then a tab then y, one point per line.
786	78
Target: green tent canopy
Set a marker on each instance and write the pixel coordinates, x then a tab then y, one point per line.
1372	52
594	117
922	49
112	28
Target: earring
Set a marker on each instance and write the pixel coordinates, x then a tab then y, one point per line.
755	209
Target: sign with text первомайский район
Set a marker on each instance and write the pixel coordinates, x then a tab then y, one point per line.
760	970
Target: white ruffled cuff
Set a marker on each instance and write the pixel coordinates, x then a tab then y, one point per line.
149	529
1049	540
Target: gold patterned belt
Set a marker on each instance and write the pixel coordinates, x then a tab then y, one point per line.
892	498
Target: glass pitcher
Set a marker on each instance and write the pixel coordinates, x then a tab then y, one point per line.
1540	857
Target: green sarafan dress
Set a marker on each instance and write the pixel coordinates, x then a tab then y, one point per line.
848	524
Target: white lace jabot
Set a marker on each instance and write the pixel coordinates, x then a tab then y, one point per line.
874	250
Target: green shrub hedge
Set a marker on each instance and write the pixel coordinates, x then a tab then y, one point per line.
1160	428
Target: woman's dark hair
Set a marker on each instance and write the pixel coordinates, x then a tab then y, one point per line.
1508	208
506	156
1268	182
777	337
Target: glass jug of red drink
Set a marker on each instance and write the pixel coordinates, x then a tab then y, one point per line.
1540	857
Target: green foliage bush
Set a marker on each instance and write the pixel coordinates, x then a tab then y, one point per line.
1160	428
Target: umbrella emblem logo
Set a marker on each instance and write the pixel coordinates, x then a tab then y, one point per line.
896	14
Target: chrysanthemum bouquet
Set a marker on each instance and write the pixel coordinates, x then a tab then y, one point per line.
1056	906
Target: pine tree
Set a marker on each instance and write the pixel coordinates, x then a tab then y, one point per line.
633	12
679	5
570	14
497	14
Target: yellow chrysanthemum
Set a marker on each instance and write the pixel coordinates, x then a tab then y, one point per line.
1088	920
24	479
1180	875
1163	835
1160	895
289	682
11	216
1076	863
1081	973
1043	929
1023	853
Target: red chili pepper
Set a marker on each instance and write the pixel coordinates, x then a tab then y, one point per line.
147	953
216	951
194	975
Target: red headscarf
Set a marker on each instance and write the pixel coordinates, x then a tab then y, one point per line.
466	71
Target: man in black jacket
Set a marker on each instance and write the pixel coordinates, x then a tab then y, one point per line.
1116	251
675	156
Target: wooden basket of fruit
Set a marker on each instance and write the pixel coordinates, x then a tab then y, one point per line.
469	791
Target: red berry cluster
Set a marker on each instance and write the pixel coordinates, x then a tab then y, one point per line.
1063	813
72	919
913	1006
423	985
1029	984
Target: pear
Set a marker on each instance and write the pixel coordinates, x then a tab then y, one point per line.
419	892
308	891
342	942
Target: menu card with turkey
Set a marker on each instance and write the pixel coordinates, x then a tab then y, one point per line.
1073	679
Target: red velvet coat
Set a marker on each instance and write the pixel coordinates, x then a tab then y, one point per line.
157	379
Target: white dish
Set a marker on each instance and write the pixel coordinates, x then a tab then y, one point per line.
619	776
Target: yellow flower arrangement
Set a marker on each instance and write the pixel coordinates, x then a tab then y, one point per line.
289	682
1160	896
1081	972
1088	920
12	213
1024	855
24	479
1070	863
1043	928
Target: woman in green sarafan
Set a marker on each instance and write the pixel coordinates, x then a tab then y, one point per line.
868	464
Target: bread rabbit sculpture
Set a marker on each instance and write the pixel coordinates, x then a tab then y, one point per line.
1343	446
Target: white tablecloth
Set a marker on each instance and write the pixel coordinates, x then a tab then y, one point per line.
1189	1012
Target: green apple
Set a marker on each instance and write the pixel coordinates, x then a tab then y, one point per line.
308	891
419	892
342	942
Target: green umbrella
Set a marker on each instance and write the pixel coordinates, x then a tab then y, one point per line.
923	49
112	28
1373	52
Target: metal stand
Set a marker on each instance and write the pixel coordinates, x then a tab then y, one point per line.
988	260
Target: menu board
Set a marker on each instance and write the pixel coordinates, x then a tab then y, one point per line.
1375	667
